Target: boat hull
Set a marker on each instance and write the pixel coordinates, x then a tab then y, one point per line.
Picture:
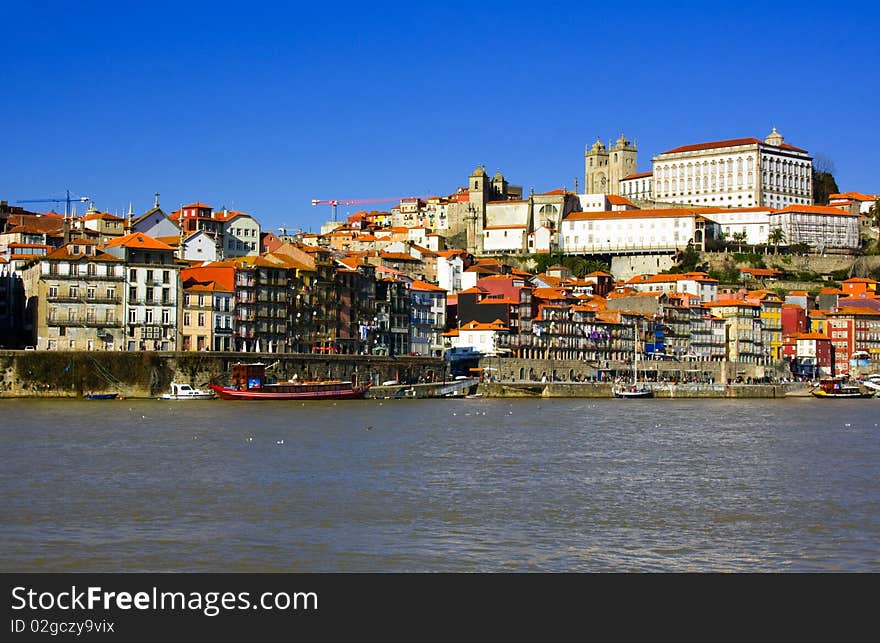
842	396
640	393
353	393
200	396
101	396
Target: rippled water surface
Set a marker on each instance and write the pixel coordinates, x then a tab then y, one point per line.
441	485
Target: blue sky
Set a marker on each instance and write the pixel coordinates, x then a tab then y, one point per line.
262	108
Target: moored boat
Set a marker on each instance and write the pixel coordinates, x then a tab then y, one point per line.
839	387
186	392
632	390
249	383
101	396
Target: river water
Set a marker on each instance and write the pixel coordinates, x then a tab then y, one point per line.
441	485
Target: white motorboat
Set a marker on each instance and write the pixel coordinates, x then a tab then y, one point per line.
186	392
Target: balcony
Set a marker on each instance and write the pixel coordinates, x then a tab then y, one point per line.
84	300
86	323
84	278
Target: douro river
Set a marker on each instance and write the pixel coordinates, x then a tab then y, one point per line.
441	485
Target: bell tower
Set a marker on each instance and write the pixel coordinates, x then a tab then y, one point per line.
605	167
622	162
596	169
479	189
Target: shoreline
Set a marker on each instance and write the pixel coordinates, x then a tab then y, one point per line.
525	390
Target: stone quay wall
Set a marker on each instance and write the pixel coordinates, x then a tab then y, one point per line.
678	391
149	374
560	370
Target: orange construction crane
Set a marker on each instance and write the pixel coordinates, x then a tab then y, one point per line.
335	202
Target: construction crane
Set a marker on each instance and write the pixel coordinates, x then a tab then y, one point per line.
335	202
67	201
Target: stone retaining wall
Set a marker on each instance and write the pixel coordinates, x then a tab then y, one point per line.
149	374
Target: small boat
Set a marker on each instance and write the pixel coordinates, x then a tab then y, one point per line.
101	396
633	389
839	387
186	392
249	383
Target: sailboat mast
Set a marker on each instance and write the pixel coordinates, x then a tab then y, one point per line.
635	353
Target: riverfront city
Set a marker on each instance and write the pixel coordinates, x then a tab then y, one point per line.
737	251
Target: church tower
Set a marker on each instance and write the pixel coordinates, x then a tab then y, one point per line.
621	163
479	189
605	167
596	169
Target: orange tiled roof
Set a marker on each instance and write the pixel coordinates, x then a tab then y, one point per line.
734	142
499	300
632	214
856	196
730	302
816	209
811	336
138	240
614	199
474	325
418	284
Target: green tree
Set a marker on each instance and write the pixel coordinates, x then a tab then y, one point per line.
777	236
874	213
739	238
824	184
688	260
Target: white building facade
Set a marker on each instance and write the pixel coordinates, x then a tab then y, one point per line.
737	173
638	186
754	223
241	236
152	284
822	227
596	232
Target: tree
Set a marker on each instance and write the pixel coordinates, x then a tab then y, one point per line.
824	184
777	236
739	238
689	260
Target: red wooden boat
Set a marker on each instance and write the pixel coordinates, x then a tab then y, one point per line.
249	383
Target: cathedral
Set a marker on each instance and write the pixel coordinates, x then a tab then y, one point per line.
605	167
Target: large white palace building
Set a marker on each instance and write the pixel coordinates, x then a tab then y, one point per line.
738	173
